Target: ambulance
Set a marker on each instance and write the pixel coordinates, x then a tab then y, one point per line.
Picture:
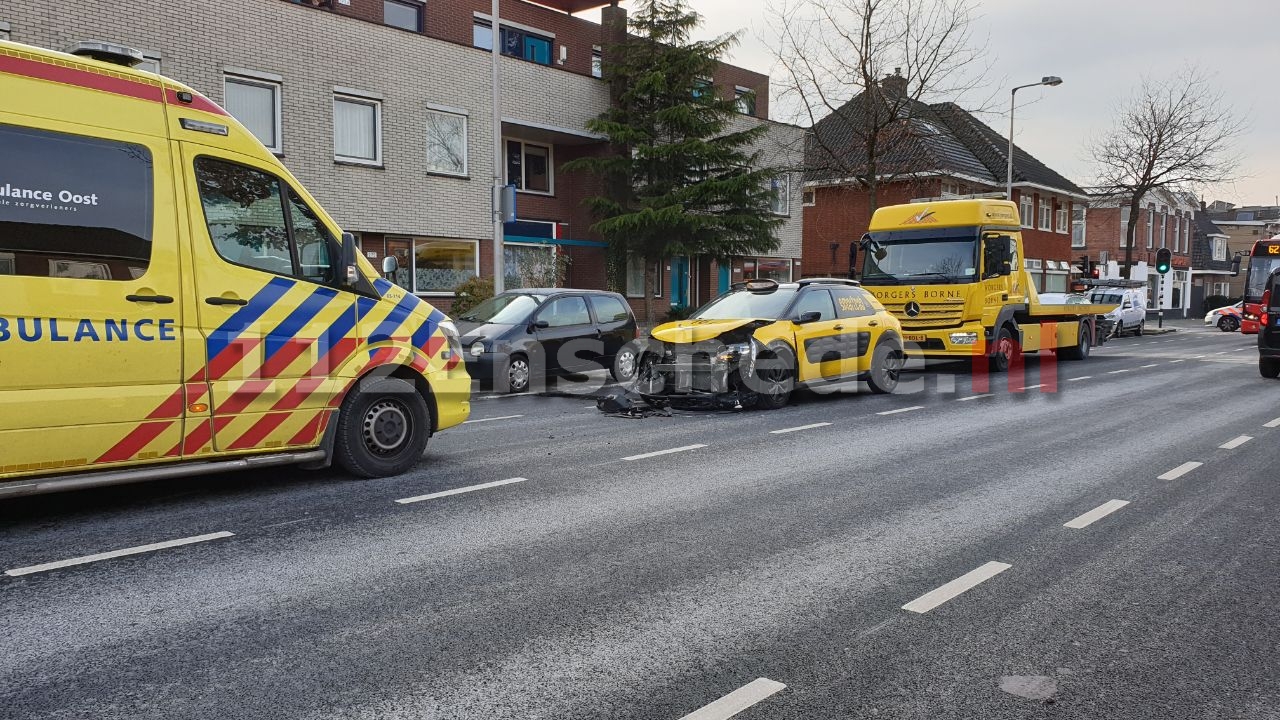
173	302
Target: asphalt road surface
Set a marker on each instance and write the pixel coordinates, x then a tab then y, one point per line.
1097	541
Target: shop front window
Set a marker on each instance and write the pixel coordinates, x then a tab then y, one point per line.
529	266
439	266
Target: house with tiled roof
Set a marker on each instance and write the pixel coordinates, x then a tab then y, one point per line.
1210	262
923	151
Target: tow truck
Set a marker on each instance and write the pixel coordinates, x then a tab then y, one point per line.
952	273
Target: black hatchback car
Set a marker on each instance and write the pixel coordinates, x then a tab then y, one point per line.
521	336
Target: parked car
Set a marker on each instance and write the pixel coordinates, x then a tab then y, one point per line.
514	338
755	344
1064	299
1226	318
1131	313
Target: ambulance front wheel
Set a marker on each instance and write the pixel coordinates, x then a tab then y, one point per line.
383	428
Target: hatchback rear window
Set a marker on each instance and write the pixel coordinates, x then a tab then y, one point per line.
609	309
73	206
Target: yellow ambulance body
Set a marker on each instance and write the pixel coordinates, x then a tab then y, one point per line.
174	302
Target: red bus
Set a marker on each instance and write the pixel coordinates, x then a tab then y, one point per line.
1264	259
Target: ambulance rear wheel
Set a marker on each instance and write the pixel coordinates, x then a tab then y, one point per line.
383	428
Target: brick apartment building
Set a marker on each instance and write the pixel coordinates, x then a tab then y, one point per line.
1244	226
939	151
383	109
1167	219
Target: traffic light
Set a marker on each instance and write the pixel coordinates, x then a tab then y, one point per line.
1163	258
1086	266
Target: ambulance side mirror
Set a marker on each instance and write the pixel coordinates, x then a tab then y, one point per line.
390	265
349	268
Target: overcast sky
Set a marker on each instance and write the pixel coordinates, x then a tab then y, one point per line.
1101	49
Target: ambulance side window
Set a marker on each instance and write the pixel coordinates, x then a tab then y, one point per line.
250	222
74	207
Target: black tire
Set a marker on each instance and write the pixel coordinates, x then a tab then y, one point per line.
1142	327
382	429
1228	324
625	364
775	379
1084	344
517	375
1004	351
886	367
1119	331
1269	368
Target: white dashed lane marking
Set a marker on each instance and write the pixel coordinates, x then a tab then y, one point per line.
1082	377
1234	443
44	567
663	452
901	410
1272	423
974	397
966	582
1117	372
737	701
1095	514
1179	471
799	428
461	490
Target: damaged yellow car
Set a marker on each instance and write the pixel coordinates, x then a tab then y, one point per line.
753	346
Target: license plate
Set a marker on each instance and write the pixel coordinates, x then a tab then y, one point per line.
914	337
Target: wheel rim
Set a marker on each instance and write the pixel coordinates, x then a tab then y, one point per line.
891	369
518	374
1004	348
775	380
387	427
626	364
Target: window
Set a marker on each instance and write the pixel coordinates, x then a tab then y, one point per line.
818	301
565	312
780	199
1027	211
402	14
439	266
526	265
482	35
249	226
609	309
809	198
1151	225
1219	249
256	104
1062	225
150	63
702	87
597	62
745	100
357	130
529	166
1164	228
1046	214
74	207
778	269
1177	233
854	302
446	142
635	278
1077	226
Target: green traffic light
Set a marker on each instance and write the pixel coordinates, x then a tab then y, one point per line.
1164	259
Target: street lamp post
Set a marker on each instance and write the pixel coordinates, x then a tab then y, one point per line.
499	272
1051	81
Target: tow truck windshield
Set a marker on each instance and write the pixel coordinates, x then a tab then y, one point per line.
742	304
920	257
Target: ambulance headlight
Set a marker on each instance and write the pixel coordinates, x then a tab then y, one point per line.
964	338
454	342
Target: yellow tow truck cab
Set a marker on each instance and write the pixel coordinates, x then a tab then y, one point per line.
952	273
173	301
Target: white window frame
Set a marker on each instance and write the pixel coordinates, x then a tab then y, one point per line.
422	14
1164	227
149	57
359	98
1219	249
597	61
413	262
1027	210
551	165
275	84
784	195
740	94
466	139
4	30
1062	218
1084	226
1151	226
1046	215
658	267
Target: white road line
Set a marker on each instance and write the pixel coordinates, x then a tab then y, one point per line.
116	553
500	417
736	701
1272	423
1147	366
1179	471
1082	377
974	397
1234	443
1032	387
1243	348
459	491
1176	361
1095	514
1198	357
1117	372
1224	352
663	452
797	429
901	410
967	581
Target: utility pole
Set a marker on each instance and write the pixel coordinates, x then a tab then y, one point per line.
499	271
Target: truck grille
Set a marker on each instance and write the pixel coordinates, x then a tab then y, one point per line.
933	315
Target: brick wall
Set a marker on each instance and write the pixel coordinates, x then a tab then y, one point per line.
839	217
1105	229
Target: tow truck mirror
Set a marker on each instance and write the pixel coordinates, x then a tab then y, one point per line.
808	317
997	254
1235	266
869	243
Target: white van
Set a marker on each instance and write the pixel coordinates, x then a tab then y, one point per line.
1131	315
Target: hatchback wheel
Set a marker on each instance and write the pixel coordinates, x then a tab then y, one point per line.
624	364
518	374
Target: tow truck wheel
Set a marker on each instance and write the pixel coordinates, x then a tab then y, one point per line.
886	367
775	379
1082	348
1006	349
1269	368
382	429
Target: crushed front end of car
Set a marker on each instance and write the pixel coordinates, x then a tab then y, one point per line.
708	364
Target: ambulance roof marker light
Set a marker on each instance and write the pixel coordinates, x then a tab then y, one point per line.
107	52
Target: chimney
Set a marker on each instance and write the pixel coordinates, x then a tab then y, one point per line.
1203	207
895	84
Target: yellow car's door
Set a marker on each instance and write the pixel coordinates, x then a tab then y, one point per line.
856	309
822	337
